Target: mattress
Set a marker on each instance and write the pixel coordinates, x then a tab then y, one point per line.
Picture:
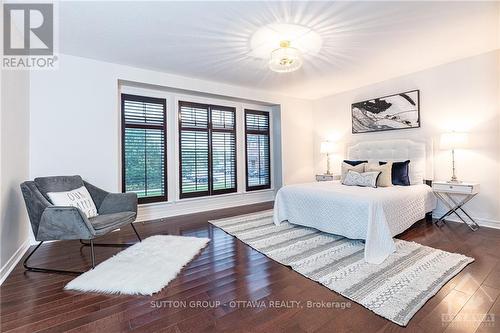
375	215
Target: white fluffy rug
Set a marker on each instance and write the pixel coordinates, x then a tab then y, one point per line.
142	269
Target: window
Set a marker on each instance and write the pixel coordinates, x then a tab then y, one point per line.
144	147
257	146
207	149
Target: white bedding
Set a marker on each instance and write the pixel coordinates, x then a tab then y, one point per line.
373	214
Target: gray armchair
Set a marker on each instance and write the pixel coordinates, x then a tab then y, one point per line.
51	222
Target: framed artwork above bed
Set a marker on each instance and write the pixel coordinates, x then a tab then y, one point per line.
393	112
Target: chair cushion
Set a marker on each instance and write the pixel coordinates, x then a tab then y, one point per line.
112	221
58	184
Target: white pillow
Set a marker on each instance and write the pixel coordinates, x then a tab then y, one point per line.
79	198
365	179
385	178
346	167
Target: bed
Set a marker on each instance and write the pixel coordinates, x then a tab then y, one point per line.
375	215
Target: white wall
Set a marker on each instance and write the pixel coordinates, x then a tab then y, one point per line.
75	125
498	97
14	162
296	134
462	96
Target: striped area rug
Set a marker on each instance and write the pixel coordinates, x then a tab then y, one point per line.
395	289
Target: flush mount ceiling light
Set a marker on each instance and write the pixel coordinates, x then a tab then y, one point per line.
285	45
285	59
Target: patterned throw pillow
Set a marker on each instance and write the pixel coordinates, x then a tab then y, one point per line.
365	179
79	198
346	167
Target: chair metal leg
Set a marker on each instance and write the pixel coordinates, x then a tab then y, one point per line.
92	253
106	244
45	270
136	233
115	244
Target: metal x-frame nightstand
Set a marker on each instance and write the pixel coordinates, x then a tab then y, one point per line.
445	191
327	178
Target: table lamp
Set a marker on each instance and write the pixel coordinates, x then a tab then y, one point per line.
454	140
327	147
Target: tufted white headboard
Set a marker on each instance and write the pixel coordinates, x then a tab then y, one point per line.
394	150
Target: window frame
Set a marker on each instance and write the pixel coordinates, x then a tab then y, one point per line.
257	132
145	99
209	129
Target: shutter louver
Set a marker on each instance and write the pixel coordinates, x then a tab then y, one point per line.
143	113
144	144
194	116
258	157
257	122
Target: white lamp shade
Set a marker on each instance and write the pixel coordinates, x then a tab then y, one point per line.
454	140
327	147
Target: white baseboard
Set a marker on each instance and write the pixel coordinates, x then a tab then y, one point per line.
187	206
489	223
12	262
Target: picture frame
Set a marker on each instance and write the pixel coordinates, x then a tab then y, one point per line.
387	113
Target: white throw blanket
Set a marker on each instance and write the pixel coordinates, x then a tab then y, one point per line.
373	214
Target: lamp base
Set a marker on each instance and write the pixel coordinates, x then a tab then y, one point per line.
454	180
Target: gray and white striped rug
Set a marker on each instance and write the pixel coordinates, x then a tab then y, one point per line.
395	289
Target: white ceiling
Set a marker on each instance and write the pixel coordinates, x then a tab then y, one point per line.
363	42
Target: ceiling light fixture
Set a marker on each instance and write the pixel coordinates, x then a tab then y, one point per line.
285	59
297	43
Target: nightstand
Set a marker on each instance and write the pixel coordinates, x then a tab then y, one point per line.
448	193
326	178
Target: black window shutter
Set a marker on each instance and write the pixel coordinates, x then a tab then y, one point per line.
223	149
193	159
207	160
257	147
144	147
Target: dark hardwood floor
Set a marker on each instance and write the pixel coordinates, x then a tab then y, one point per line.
227	270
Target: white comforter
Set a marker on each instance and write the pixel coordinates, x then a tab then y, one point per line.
372	214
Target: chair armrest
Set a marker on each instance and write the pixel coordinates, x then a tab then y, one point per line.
118	202
35	202
60	223
96	193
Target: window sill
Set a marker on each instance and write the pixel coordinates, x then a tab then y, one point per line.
206	198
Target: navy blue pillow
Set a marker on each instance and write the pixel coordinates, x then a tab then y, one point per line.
399	172
354	163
